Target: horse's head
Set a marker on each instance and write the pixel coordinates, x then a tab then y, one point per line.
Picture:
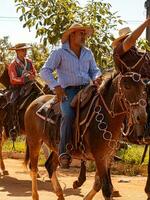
132	95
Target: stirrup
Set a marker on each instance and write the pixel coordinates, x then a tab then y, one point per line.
65	160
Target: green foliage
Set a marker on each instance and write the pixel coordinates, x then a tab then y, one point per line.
19	145
99	15
5	54
130	164
143	44
52	18
38	55
133	155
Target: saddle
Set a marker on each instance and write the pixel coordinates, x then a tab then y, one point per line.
53	106
49	110
83	96
51	113
25	94
19	99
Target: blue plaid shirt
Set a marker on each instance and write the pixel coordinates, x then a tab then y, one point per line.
71	70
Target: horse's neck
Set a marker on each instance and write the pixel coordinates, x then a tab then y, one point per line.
112	98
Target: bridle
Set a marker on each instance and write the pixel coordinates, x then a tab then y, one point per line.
136	78
119	96
99	103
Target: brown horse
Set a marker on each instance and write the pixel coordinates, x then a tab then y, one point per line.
121	96
132	138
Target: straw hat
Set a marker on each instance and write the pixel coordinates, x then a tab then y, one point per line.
20	46
122	34
75	27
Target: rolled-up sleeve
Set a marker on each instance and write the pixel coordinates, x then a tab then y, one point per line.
94	71
46	72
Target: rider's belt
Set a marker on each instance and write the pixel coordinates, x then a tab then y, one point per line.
78	87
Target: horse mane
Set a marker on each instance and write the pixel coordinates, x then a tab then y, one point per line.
107	81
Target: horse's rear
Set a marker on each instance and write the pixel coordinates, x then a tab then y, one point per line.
34	126
36	135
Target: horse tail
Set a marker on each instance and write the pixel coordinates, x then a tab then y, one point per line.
27	157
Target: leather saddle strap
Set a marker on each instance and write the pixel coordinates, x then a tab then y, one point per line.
77	132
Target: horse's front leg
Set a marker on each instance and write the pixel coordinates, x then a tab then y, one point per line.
2	166
96	187
51	166
147	187
82	176
101	177
107	187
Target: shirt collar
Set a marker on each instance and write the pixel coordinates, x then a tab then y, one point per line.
67	47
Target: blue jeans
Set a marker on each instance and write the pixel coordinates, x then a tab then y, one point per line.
68	117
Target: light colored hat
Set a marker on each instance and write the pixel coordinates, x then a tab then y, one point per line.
20	46
74	27
122	34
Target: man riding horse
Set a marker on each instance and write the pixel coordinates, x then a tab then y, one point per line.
76	66
127	57
20	71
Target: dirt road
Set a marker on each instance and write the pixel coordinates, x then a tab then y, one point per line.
17	186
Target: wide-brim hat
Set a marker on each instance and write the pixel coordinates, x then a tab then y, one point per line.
20	46
75	27
122	34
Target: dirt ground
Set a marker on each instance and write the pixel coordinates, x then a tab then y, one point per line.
17	185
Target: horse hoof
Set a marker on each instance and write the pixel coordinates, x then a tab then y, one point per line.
61	198
38	175
75	185
5	173
116	193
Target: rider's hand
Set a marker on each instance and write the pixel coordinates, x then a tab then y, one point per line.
98	81
28	76
60	94
31	77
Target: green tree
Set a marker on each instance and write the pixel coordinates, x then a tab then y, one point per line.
5	54
51	18
143	44
99	15
38	55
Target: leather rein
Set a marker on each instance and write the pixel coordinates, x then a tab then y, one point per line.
126	106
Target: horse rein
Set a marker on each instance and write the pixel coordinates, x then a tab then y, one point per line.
124	104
